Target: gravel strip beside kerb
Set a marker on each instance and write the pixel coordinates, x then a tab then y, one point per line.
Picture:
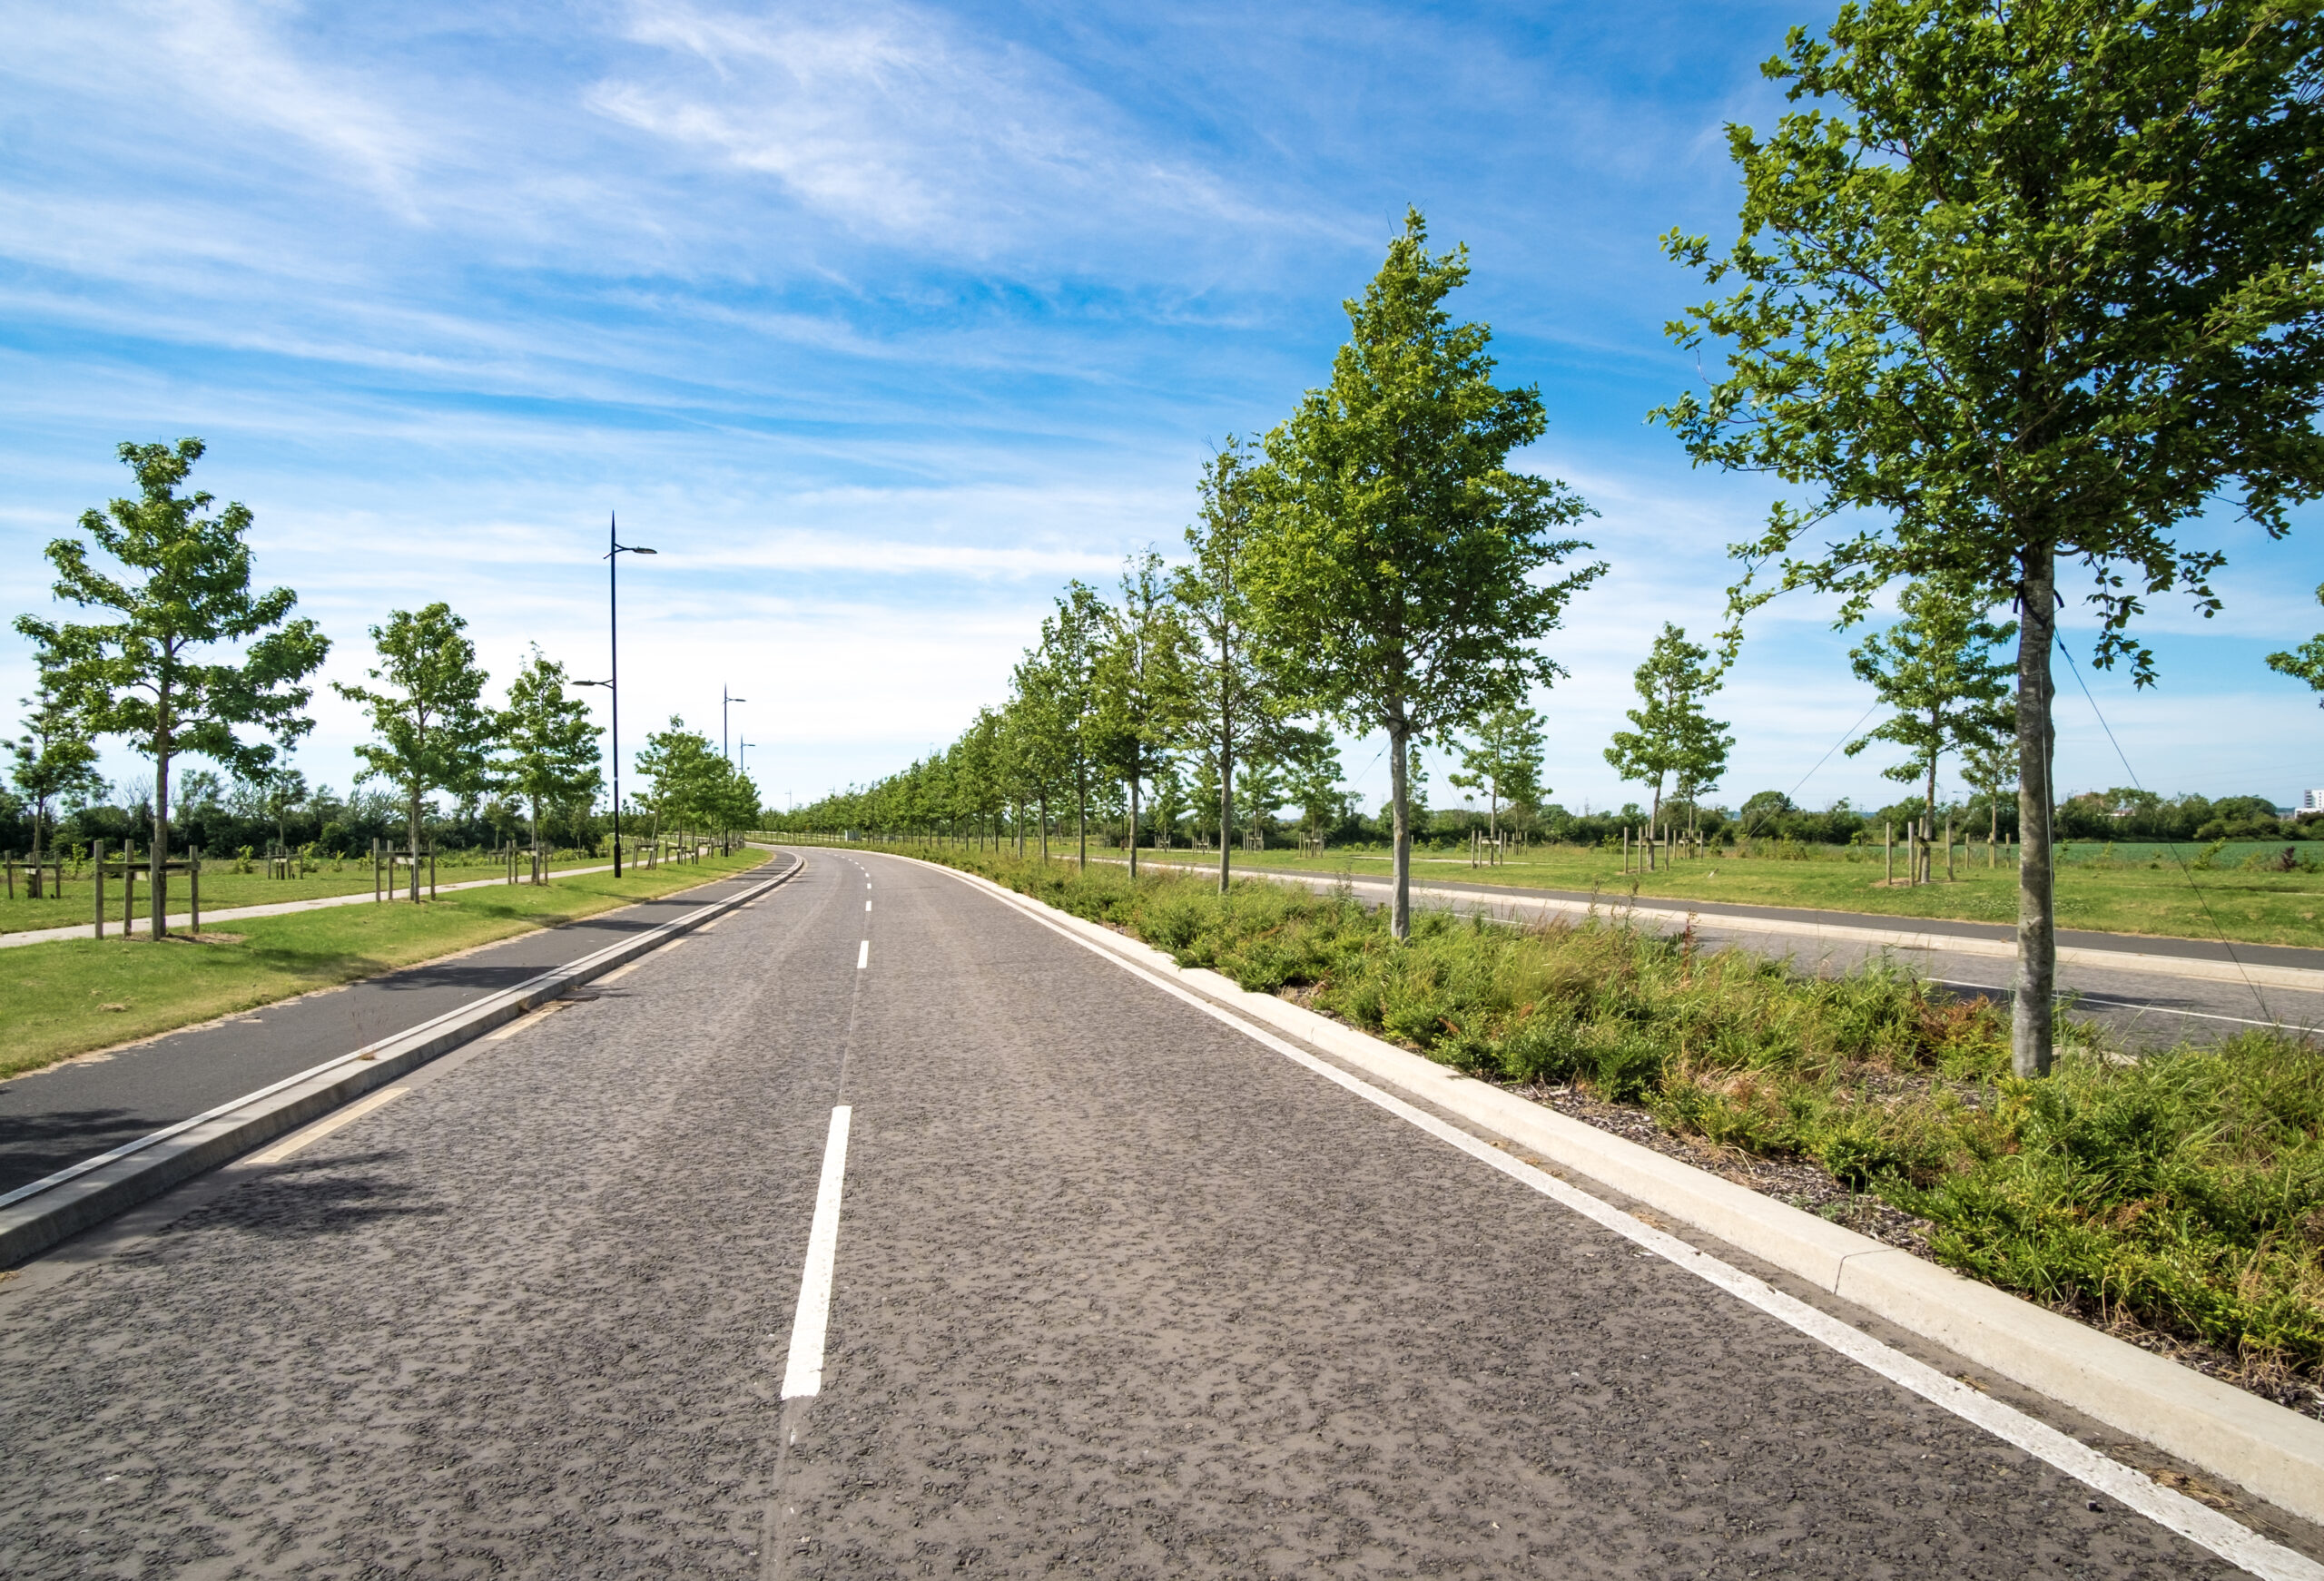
36	1217
2276	1453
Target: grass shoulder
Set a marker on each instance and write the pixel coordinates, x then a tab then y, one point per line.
2177	1197
70	996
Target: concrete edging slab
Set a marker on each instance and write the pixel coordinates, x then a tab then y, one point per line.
2275	1453
38	1216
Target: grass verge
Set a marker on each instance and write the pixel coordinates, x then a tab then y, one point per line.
2181	1193
71	995
2137	890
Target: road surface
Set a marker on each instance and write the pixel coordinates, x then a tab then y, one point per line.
1097	1286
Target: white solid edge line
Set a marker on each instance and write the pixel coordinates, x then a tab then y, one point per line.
322	1128
803	1372
867	904
862	954
2198	1523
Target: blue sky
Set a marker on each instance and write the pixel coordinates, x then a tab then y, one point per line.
880	320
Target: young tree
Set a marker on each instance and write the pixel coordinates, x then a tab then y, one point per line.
1675	736
1989	761
141	675
1399	582
1936	668
1505	762
1233	705
682	771
549	741
434	731
1064	671
284	793
54	761
2044	285
1144	695
1311	764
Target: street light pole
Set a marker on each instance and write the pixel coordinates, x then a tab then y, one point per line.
615	547
742	757
724	703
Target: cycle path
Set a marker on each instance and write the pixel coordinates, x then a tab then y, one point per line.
57	1116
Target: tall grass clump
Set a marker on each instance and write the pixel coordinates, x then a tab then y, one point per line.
2184	1190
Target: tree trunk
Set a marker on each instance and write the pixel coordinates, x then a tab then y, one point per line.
2033	994
1081	814
1045	825
1653	826
411	836
1226	810
155	890
1133	829
1400	905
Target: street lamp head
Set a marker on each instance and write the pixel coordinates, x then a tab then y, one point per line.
606	684
636	550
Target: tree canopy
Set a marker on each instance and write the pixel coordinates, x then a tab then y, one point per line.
431	729
1400	576
2044	283
192	653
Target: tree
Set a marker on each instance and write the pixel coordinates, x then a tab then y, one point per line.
434	731
139	675
1398	582
1935	667
54	761
1311	763
1675	736
1143	694
1063	673
2044	285
2304	662
281	793
681	770
1232	701
548	740
1505	761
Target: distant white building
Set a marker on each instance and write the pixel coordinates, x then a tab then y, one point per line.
2311	802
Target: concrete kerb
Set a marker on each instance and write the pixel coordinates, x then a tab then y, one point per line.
38	1216
2275	1453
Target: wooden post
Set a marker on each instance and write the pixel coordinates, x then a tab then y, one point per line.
1888	855
193	890
431	870
128	889
98	847
375	886
1948	848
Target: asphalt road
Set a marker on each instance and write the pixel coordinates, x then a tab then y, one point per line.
1114	1291
2143	1007
57	1116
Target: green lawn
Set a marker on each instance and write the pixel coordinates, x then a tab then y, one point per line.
2137	889
71	995
223	888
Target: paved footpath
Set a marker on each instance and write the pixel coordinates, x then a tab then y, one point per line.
1112	1290
177	919
57	1116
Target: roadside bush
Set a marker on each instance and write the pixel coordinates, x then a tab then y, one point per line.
2184	1188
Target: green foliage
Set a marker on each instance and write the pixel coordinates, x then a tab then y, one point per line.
140	675
2186	1188
1504	760
2304	662
548	740
691	785
1675	737
1145	692
1935	667
433	730
53	761
1399	579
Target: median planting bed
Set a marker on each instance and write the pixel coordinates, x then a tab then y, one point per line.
2177	1198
